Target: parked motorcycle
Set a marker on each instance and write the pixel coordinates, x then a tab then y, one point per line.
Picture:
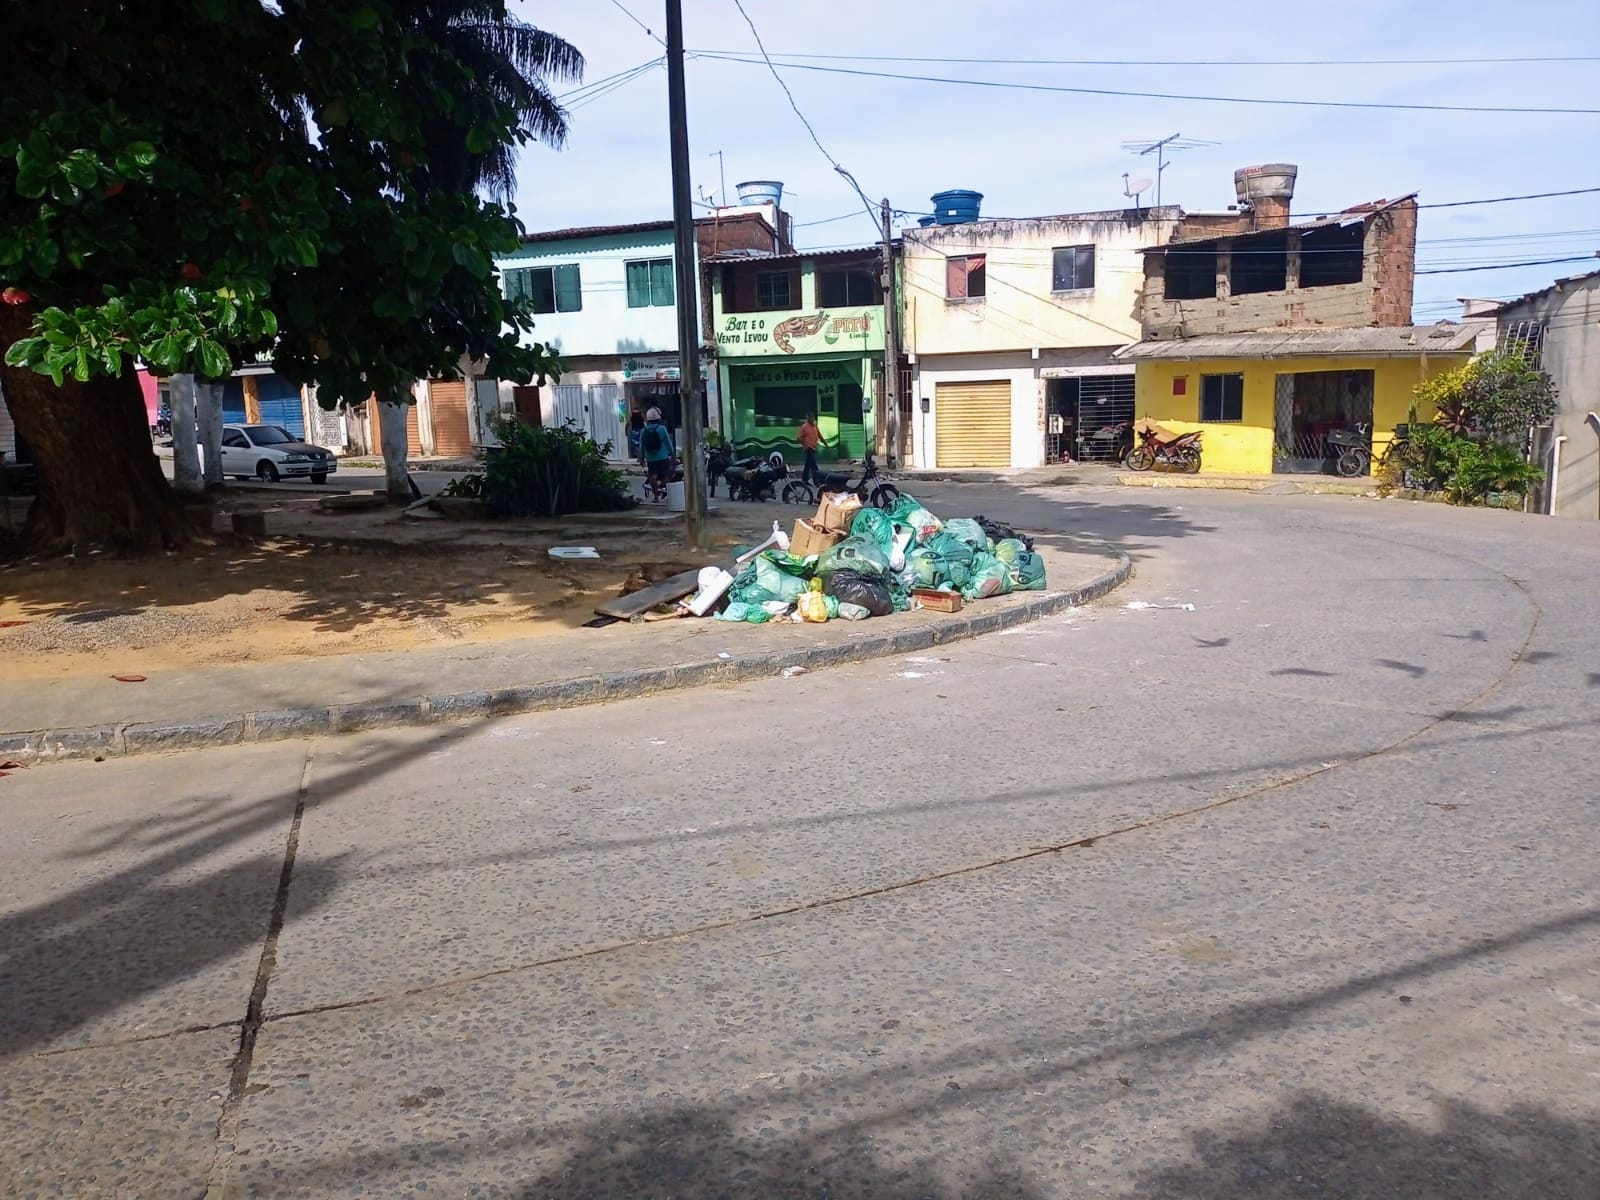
882	496
1182	451
756	479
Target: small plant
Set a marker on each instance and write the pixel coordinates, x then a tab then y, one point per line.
1465	470
1498	395
539	472
465	487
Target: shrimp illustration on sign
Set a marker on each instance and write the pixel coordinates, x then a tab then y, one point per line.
797	327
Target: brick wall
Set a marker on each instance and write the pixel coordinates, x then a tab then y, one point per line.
1392	250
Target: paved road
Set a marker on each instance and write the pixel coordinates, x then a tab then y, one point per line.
1291	894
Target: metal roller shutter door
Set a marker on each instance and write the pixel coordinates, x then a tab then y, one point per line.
972	424
452	436
280	404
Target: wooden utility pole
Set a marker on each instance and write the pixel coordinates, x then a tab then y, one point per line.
687	288
891	343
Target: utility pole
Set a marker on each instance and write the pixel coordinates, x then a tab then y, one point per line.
891	343
687	284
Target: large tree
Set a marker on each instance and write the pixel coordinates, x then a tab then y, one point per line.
164	198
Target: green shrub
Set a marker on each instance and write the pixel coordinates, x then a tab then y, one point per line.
1466	470
538	472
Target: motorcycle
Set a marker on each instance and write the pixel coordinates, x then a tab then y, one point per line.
756	479
1182	451
882	496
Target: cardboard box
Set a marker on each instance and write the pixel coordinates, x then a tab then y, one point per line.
837	511
936	600
808	539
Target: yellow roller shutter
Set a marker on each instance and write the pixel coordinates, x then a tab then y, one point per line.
972	423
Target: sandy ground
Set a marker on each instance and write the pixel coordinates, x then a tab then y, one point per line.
285	600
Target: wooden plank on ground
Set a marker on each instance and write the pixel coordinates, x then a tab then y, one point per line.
629	606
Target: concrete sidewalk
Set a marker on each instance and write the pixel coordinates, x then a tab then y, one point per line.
93	717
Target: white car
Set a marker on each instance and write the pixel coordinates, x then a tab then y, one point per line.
271	452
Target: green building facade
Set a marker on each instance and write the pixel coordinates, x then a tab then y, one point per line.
798	334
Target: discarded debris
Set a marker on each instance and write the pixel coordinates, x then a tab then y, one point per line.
1141	605
128	678
791	672
574	552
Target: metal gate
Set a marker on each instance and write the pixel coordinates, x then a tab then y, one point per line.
605	424
972	423
569	406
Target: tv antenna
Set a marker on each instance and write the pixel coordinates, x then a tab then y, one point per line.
1133	190
1161	147
722	174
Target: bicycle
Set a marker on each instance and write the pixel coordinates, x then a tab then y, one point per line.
1356	456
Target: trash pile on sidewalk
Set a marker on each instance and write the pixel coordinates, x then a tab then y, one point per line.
853	562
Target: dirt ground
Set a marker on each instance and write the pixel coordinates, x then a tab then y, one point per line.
283	599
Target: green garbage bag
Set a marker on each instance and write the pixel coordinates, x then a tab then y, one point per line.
854	554
922	569
989	577
965	529
952	560
875	525
907	511
776	582
1009	551
1027	573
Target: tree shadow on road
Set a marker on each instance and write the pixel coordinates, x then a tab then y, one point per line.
1321	1146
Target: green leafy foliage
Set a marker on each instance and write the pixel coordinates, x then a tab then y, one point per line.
1498	395
1466	470
538	472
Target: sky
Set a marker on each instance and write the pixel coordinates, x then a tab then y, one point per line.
1033	153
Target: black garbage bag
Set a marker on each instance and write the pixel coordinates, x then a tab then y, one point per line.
852	587
999	533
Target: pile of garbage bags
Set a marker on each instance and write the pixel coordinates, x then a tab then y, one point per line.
888	555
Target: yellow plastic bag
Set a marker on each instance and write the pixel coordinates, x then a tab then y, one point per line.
813	606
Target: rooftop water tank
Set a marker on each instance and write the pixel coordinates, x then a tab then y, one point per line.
926	221
760	191
1270	181
956	207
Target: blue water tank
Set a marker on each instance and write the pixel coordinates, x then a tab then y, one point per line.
760	191
925	221
956	207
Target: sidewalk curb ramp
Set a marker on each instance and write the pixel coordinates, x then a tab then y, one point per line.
123	740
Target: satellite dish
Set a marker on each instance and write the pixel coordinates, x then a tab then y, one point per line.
1132	190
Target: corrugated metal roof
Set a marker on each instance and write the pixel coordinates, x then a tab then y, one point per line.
1549	287
561	235
1323	221
1376	342
757	256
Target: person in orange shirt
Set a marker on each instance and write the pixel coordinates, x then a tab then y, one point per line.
810	438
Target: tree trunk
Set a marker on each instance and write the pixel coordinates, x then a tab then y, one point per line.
208	408
99	480
185	439
392	437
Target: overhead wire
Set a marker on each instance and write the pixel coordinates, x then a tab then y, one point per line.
627	12
1183	62
1384	106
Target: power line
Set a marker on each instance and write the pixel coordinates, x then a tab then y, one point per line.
1533	262
624	10
1183	62
755	33
604	87
1503	199
1085	91
827	220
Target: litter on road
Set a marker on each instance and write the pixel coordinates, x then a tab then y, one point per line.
1141	605
574	552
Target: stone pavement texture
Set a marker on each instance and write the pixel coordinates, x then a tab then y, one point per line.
1290	895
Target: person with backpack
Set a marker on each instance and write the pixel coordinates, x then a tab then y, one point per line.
656	443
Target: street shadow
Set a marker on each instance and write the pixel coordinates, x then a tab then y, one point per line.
696	1154
1322	1146
1394	664
1307	672
130	931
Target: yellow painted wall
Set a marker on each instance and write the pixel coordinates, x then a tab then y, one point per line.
1245	448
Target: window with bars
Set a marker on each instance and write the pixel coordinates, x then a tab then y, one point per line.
1072	269
1525	339
650	283
773	290
966	277
547	289
1222	398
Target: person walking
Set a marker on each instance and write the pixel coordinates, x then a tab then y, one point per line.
810	437
656	443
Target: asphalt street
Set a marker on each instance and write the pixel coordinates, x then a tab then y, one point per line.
1271	875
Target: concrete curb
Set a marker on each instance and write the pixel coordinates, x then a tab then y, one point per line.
122	740
1271	484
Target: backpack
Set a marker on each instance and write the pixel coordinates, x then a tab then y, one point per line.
651	439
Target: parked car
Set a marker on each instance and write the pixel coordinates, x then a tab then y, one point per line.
271	452
268	453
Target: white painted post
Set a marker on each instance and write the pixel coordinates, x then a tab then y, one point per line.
392	438
185	447
208	411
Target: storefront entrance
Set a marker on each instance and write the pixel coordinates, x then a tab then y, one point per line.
1089	417
1309	406
769	403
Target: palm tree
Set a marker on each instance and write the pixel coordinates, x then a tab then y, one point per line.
511	63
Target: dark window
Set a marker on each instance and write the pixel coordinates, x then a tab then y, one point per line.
773	290
269	435
1332	256
1192	274
1072	269
235	439
547	289
650	284
841	289
784	405
1260	264
966	278
1222	397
